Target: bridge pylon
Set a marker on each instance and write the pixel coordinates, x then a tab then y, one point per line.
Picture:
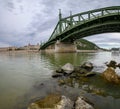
64	47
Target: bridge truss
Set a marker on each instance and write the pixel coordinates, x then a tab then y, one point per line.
84	24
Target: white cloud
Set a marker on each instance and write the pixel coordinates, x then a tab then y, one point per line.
32	21
106	40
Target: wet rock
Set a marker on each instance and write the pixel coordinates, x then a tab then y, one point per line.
65	103
118	65
77	69
98	91
82	104
55	75
73	75
61	82
112	64
83	71
110	75
88	66
85	87
47	102
67	81
53	101
89	74
86	74
88	88
68	68
59	70
78	75
94	90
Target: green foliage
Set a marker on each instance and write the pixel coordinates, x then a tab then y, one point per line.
83	44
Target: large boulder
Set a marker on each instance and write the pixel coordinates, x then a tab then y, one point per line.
68	68
53	101
82	104
110	75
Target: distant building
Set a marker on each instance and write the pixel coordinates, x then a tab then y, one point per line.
27	47
4	49
33	47
7	48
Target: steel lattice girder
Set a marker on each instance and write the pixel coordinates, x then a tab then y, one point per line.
108	20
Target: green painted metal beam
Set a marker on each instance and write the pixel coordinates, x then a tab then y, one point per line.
69	24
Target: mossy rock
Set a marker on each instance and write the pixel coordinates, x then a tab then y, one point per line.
110	75
48	102
98	92
61	82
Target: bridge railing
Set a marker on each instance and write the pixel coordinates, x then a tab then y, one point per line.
70	22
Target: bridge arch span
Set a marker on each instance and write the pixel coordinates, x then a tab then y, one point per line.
106	24
104	20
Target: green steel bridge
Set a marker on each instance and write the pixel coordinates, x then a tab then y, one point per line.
68	29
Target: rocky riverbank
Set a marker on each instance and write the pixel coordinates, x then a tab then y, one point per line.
68	70
77	77
55	101
110	74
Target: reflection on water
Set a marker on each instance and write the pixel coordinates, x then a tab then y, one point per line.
22	76
18	72
59	59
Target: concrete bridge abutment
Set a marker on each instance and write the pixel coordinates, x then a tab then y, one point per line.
65	47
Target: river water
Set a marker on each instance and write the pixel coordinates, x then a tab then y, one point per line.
25	77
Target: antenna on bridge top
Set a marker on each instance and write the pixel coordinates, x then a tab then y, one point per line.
70	13
71	23
60	23
60	15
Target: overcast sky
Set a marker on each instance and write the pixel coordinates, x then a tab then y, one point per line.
32	21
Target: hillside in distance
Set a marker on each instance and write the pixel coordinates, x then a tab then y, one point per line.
83	44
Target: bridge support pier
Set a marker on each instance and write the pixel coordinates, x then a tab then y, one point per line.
65	47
